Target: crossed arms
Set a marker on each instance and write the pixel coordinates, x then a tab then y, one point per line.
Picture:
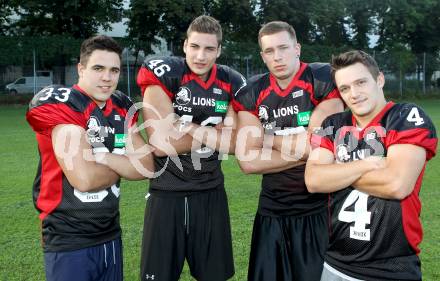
391	177
88	171
263	154
171	137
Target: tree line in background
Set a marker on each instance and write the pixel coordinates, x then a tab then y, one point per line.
401	28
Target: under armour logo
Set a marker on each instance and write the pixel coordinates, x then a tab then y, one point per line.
149	277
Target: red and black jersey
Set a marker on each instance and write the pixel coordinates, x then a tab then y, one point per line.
373	238
72	219
284	112
200	102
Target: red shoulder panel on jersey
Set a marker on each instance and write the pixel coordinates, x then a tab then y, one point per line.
262	96
237	106
146	78
334	94
419	137
45	117
319	141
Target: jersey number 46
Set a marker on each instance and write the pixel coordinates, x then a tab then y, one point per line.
158	67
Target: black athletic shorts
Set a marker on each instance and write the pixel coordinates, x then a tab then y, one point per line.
288	248
195	227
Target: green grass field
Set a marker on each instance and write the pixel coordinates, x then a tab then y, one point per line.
20	251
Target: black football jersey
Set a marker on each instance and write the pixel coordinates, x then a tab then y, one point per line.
72	219
373	238
285	112
200	102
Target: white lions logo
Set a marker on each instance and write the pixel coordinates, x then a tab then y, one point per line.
263	114
183	96
342	154
93	126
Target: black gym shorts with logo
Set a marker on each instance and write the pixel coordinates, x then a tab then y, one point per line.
194	226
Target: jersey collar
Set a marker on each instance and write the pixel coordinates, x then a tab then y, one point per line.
108	107
285	92
203	84
376	119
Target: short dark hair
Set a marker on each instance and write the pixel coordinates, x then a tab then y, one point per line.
351	57
206	24
99	42
275	27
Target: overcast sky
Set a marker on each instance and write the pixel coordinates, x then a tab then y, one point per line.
118	29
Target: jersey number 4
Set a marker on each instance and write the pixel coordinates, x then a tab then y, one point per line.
360	216
414	116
